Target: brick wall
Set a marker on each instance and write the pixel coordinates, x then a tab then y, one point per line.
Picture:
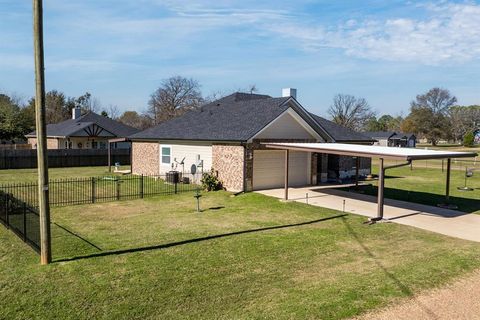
52	143
145	158
228	163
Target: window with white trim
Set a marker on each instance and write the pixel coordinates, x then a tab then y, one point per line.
166	155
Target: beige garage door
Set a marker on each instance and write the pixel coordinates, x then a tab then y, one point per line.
269	169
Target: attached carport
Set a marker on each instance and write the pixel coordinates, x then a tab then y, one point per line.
382	153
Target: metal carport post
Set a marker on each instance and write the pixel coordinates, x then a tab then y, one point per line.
286	173
381	186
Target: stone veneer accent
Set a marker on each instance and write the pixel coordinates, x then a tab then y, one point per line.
228	163
145	158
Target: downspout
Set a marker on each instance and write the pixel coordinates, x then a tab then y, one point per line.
381	187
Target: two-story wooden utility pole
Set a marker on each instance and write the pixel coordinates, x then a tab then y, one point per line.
42	157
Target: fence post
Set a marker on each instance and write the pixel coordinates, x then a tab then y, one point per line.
141	186
93	190
118	189
7	209
24	222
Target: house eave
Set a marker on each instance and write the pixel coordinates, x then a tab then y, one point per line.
184	140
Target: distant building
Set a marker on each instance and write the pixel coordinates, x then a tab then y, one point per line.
393	139
88	131
476	137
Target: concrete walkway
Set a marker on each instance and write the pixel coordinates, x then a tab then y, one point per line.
448	222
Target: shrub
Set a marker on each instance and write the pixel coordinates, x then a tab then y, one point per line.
210	181
469	139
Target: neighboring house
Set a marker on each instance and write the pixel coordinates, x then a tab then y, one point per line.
226	135
88	131
393	139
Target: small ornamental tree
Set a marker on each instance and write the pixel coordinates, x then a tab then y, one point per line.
469	139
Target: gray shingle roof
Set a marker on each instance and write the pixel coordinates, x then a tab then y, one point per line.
400	135
340	133
380	134
70	127
238	117
232	118
389	135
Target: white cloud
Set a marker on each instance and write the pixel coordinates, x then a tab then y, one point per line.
450	33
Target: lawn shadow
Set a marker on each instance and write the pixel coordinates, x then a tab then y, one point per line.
188	241
216	208
76	235
401	286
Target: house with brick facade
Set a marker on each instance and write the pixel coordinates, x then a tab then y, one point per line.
227	135
87	131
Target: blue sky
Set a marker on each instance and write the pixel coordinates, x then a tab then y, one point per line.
120	50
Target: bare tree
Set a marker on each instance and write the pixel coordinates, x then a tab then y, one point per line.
463	119
215	95
88	102
350	112
113	112
252	88
436	100
175	96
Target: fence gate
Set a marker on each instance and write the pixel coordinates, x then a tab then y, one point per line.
21	218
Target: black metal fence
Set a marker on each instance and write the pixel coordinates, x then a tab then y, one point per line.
60	158
74	191
21	218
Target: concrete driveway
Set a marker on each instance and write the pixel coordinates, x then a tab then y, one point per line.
448	222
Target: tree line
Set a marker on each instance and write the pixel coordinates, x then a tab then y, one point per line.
433	115
174	97
18	118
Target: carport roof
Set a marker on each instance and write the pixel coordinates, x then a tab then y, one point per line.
368	151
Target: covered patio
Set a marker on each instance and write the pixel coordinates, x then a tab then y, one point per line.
406	155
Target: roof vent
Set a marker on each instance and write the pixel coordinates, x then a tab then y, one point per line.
289	92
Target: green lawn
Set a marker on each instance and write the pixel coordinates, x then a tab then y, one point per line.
427	186
31	175
244	257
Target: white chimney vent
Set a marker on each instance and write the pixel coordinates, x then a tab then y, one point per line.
76	113
289	92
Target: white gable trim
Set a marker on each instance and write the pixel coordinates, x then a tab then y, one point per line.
297	118
297	104
82	130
